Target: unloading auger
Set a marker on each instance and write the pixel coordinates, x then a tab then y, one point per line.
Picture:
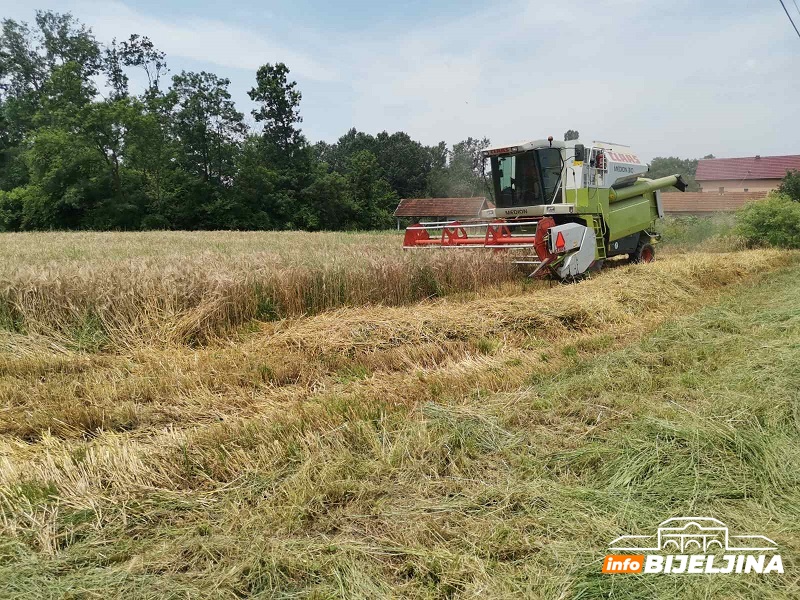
563	208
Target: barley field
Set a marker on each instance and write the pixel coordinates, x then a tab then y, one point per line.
121	288
271	415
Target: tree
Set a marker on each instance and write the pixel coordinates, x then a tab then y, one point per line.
372	196
64	40
117	79
41	61
258	189
206	122
571	134
279	112
13	172
460	171
139	51
687	167
404	163
81	147
790	185
284	159
68	180
333	204
151	148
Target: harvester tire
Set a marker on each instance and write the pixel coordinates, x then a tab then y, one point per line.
644	253
597	266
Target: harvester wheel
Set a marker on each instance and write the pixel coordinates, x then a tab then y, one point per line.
644	253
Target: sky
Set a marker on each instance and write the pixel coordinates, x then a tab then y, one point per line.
668	78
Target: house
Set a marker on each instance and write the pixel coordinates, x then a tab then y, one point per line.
751	174
440	209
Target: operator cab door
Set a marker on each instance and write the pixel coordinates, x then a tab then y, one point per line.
551	165
528	178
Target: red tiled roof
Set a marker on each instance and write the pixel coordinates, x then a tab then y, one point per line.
441	207
706	202
751	167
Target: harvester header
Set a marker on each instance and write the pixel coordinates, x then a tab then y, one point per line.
563	207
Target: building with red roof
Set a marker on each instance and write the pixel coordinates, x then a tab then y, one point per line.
747	175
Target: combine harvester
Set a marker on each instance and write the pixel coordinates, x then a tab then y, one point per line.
563	207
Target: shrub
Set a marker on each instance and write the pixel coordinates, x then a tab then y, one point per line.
790	186
771	222
10	210
691	233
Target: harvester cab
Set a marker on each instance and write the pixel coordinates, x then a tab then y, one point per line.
560	207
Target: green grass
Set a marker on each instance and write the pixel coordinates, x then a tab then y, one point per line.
707	233
513	494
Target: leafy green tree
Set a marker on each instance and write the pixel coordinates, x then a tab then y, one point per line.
111	127
22	75
790	186
35	63
264	194
338	154
11	209
284	159
113	65
333	203
404	163
152	149
467	167
138	51
460	171
279	108
70	166
663	167
64	40
68	180
206	122
77	153
571	134
13	172
372	196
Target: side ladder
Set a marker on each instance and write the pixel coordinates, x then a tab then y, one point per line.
599	226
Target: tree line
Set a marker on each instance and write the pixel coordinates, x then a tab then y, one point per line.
80	149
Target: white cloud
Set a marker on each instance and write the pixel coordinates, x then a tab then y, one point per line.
204	40
666	79
611	69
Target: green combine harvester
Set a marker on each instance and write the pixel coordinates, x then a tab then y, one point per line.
561	207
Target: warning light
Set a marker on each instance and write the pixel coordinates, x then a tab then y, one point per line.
560	243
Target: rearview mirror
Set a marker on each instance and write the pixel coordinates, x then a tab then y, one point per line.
580	152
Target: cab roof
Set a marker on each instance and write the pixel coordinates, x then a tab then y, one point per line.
521	147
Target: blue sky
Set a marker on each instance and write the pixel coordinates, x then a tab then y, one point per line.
669	78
